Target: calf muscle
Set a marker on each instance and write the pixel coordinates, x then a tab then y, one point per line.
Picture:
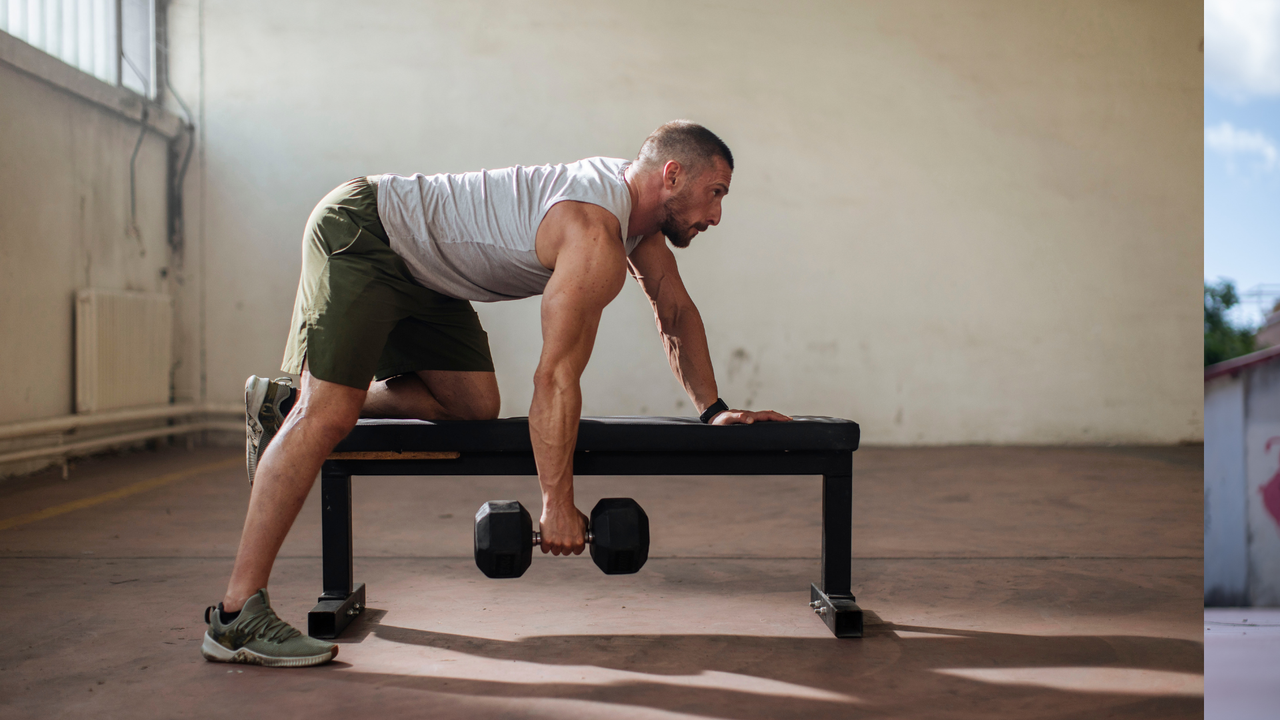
324	414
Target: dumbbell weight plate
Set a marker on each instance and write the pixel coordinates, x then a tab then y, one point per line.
621	536
503	530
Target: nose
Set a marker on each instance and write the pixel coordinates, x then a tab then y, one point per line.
714	219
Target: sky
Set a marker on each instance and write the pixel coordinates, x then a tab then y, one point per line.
1242	146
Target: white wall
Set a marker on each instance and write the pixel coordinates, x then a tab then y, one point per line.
65	226
951	221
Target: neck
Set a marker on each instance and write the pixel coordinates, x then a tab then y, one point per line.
646	202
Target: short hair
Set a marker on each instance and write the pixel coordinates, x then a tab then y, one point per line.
686	142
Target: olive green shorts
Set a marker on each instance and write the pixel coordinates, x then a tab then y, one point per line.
360	315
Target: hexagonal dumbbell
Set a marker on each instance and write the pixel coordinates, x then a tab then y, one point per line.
618	536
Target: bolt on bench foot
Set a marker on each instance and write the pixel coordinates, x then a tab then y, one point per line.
331	615
841	614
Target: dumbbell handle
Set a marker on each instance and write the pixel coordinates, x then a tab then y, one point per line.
537	537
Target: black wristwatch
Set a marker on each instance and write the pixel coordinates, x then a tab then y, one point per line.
716	408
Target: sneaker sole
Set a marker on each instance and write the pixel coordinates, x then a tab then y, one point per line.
214	652
255	393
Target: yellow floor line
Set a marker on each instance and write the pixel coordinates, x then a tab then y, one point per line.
116	494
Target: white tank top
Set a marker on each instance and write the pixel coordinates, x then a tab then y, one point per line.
471	236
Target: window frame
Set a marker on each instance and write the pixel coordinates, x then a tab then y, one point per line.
97	37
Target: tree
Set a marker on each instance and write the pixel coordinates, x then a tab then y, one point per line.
1223	340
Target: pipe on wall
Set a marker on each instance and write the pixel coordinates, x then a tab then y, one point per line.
101	443
189	418
67	423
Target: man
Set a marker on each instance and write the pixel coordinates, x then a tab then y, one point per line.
389	266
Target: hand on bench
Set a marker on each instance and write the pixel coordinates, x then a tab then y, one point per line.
747	417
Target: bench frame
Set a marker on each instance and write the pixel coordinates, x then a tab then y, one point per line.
831	597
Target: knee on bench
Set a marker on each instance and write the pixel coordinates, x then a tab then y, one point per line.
477	406
486	410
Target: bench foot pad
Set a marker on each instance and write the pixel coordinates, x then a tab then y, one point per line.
331	615
839	612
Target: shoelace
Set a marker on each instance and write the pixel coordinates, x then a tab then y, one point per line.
267	626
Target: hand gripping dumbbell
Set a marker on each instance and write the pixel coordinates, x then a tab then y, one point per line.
618	536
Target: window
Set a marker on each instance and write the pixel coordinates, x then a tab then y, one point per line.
113	40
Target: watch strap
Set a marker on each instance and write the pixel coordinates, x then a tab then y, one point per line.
716	408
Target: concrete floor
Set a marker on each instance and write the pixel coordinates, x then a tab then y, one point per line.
999	582
1241	652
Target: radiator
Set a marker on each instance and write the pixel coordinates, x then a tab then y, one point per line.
124	349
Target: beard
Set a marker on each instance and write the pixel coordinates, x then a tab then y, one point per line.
679	235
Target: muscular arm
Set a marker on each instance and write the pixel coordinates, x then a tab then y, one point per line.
589	272
680	325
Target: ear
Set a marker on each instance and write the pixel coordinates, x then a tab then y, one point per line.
670	173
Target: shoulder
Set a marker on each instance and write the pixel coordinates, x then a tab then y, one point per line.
578	228
652	259
574	215
597	178
606	167
651	244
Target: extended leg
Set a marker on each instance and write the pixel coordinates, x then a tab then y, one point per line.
832	597
325	412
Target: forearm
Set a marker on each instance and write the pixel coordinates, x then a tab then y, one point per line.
553	429
685	339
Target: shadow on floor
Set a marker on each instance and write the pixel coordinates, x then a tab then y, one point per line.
893	671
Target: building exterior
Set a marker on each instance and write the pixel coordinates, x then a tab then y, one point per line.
1269	334
1242	480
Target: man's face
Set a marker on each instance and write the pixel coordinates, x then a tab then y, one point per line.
695	206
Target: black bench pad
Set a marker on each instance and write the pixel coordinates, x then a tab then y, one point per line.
606	434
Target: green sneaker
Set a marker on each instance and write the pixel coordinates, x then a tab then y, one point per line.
258	637
266	404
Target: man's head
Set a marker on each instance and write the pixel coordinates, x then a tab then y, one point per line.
695	167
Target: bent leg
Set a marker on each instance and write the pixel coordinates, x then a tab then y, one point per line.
324	413
435	395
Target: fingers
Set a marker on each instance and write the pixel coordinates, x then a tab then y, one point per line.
554	548
582	538
748	417
568	541
768	416
567	547
733	417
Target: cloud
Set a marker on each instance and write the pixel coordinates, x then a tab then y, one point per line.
1242	47
1231	141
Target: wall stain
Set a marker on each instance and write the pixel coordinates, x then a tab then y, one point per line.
739	361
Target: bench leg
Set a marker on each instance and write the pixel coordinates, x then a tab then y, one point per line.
832	597
341	599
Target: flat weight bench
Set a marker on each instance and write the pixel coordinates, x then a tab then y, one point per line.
606	446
